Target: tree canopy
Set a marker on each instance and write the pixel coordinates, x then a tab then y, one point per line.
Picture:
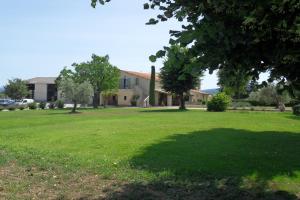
16	89
234	82
103	76
258	36
178	75
78	93
270	95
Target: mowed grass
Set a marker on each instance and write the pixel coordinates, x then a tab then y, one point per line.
151	145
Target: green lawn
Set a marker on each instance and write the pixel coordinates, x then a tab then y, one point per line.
243	150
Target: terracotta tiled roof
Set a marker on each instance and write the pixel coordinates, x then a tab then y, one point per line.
42	80
199	92
142	75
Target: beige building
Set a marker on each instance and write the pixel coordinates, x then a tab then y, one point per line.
133	91
42	89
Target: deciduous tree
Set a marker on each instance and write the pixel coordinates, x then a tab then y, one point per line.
234	81
78	93
270	95
16	89
178	75
102	75
258	36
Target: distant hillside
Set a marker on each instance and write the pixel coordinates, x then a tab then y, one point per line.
212	91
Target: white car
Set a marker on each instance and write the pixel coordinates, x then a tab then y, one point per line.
25	102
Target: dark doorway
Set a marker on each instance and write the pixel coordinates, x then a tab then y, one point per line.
162	99
51	92
31	88
112	100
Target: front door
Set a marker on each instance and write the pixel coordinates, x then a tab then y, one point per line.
162	99
113	100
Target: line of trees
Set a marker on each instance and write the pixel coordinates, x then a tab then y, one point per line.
96	76
243	37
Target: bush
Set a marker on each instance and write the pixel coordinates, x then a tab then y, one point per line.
134	100
241	104
32	106
42	105
22	107
60	104
269	96
296	110
293	102
219	103
12	108
52	105
1	108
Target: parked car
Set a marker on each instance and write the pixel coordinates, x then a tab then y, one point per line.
6	102
24	102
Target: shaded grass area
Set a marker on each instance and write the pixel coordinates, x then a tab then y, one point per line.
160	154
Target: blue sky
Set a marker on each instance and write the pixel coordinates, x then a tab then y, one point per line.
39	38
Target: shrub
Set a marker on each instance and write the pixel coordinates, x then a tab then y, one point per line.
1	108
134	100
42	105
32	106
22	107
296	109
241	104
12	108
269	96
60	104
52	105
219	103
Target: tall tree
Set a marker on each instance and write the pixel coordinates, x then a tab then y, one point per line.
178	75
234	81
77	92
16	89
102	75
152	87
259	36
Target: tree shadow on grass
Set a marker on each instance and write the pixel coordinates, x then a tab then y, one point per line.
164	111
166	191
216	164
294	117
67	112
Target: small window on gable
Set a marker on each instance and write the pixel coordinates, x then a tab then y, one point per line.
125	98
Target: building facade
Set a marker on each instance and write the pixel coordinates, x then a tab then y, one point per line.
134	89
43	89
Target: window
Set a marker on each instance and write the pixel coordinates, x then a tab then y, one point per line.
125	98
137	81
125	83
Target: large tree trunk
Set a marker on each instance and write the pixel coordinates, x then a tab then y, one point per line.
96	99
74	107
182	102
